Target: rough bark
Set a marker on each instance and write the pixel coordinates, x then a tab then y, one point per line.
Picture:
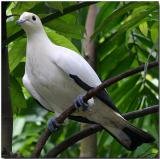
88	147
7	120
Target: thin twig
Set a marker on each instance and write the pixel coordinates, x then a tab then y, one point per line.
95	128
91	93
147	62
135	46
41	142
12	15
141	113
129	73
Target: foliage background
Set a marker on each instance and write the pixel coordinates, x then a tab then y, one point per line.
126	36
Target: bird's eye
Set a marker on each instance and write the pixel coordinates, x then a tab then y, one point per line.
33	18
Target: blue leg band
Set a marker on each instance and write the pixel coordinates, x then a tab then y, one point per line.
80	103
53	125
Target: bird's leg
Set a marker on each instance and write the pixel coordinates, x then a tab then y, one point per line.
79	103
53	125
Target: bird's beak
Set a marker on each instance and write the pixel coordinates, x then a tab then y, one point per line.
20	21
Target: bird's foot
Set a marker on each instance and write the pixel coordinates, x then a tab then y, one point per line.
53	125
79	103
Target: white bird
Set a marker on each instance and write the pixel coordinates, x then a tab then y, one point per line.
55	76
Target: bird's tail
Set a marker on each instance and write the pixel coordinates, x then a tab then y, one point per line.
125	133
128	135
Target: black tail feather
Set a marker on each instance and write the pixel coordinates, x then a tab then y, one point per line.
137	137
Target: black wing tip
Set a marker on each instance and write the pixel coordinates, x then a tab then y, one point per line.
102	95
134	145
138	137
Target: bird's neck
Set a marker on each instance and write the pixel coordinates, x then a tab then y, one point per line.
37	36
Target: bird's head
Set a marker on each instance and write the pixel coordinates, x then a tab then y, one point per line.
30	22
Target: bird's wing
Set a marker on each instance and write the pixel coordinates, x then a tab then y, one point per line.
81	72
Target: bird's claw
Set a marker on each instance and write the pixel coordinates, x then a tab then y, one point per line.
79	103
53	125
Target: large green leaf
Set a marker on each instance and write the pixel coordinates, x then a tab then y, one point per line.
17	99
154	32
18	72
125	103
60	40
105	11
55	5
144	28
107	64
10	25
124	87
41	9
73	31
16	53
21	7
122	66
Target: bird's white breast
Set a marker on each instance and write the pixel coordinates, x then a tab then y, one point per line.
49	81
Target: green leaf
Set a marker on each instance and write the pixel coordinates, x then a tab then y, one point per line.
113	40
18	125
122	65
111	60
132	22
116	14
154	32
10	26
150	96
124	86
106	48
104	12
152	86
143	53
19	70
55	5
21	7
16	53
140	8
144	41
17	98
60	40
74	31
144	28
154	72
41	9
132	95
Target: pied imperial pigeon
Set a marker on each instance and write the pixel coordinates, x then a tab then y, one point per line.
56	76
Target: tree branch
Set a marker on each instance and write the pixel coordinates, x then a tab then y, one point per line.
88	146
51	17
95	128
7	116
91	93
129	73
141	113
